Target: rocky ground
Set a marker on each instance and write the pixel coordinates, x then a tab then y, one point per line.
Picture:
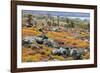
41	45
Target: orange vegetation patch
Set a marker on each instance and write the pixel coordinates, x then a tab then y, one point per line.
68	39
32	58
30	32
59	34
35	55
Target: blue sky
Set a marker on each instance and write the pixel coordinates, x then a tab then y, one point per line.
56	13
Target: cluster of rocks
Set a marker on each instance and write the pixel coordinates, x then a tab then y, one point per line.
70	52
42	39
75	53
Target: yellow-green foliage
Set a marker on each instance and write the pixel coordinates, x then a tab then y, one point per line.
58	57
32	58
69	58
47	52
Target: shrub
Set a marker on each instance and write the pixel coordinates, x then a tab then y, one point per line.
58	57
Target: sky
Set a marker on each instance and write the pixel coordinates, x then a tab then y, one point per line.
56	13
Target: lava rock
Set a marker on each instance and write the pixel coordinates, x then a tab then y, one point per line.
60	51
75	54
39	40
28	40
